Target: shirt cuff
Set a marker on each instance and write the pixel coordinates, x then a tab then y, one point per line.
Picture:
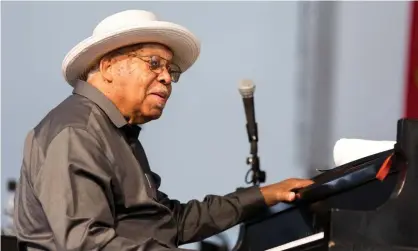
252	201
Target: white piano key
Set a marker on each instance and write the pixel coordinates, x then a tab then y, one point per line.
299	242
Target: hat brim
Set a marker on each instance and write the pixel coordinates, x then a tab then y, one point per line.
184	45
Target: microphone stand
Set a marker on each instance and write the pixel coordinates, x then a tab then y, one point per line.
246	90
258	176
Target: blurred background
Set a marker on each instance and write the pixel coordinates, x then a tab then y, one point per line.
323	71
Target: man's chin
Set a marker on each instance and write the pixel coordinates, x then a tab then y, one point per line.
156	113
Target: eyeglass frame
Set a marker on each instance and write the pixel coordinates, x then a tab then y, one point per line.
160	67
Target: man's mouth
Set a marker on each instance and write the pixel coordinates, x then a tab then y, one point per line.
162	95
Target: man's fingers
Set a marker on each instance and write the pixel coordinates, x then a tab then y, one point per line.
291	196
302	183
285	191
287	196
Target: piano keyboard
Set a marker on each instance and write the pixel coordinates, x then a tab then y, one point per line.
299	242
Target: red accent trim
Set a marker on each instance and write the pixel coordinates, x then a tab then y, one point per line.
411	95
385	168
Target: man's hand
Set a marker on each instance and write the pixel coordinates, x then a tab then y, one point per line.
282	191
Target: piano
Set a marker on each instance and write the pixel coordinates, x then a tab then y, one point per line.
350	207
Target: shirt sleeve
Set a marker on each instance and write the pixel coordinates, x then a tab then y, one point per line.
198	220
74	188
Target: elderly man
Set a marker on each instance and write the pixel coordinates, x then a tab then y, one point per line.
85	181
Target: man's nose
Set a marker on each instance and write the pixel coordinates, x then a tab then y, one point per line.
164	77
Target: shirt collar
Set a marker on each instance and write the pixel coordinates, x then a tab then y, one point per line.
87	90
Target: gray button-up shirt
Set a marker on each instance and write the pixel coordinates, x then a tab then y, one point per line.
85	184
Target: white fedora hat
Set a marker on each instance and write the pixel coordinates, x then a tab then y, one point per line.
128	28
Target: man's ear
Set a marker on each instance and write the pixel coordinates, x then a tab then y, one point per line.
106	68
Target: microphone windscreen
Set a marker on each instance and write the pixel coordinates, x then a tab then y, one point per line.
246	88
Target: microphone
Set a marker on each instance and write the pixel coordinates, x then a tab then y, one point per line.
246	89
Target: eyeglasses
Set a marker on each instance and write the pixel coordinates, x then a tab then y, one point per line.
157	65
